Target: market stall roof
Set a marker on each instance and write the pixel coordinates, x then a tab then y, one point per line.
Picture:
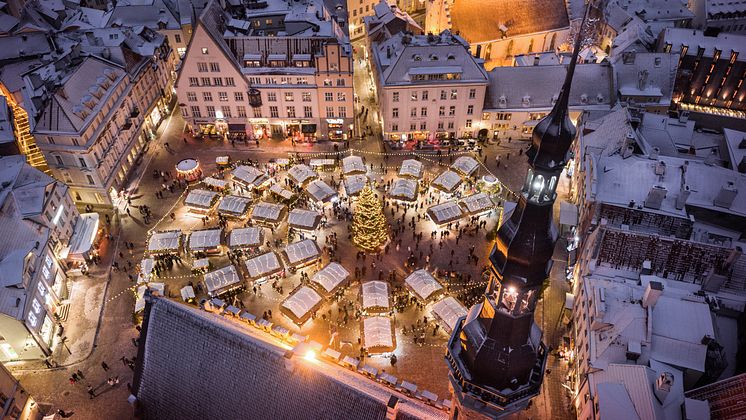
200	240
423	285
320	191
249	176
250	236
304	219
84	234
157	289
302	173
282	192
187	292
411	168
404	189
263	265
354	184
448	181
164	241
202	199
466	165
200	263
448	310
301	251
322	162
477	203
234	205
445	212
353	165
330	277
146	268
214	182
267	212
375	295
378	336
301	304
221	279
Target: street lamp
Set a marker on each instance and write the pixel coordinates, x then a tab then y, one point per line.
63	341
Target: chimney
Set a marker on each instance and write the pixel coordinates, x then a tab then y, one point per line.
683	116
392	408
712	158
682	197
653	291
663	386
726	196
647	268
655	153
655	197
660	168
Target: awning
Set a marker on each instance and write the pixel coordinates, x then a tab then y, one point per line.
236	127
84	234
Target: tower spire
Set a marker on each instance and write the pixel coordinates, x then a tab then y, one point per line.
560	107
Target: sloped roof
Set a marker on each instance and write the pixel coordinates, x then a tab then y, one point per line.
480	20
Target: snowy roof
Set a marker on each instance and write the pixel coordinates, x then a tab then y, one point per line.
736	141
445	212
321	162
302	251
448	310
203	199
263	265
447	181
304	219
164	241
656	79
146	268
404	189
411	168
680	325
378	334
626	387
234	204
156	288
204	239
214	182
481	21
269	212
330	277
302	173
422	284
353	165
301	303
250	236
221	278
477	203
201	263
695	39
466	165
354	184
375	294
249	176
320	191
282	192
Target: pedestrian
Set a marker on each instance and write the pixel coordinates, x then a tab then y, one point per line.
106	367
110	381
80	374
75	377
91	392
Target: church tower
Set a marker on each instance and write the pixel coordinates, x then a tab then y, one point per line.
495	355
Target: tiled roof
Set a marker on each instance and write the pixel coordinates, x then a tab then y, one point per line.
479	21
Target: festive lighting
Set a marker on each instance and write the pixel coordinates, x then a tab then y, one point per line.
369	227
310	356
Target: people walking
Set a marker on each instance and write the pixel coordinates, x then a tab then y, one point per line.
105	366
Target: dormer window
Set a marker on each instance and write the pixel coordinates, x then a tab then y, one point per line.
600	98
433	57
526	101
584	99
451	57
416	57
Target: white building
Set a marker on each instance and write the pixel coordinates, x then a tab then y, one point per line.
429	87
644	79
714	14
358	10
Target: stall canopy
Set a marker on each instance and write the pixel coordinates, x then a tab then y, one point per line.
375	296
321	163
448	310
466	165
411	168
353	165
201	199
281	192
320	191
200	263
378	334
445	212
448	181
187	292
245	237
330	278
423	285
302	174
83	235
267	212
301	252
477	204
146	269
354	184
161	242
221	280
215	183
234	205
249	176
202	240
404	189
157	289
263	265
304	219
301	304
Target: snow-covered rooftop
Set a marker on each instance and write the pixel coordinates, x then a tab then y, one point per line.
302	173
304	219
263	265
301	251
267	212
221	279
423	285
202	199
249	176
477	203
164	241
447	181
448	310
411	168
353	165
234	205
320	191
301	303
404	189
250	236
378	334
375	296
281	192
354	184
466	165
445	212
200	240
330	277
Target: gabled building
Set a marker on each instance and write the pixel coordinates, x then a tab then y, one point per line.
645	80
387	21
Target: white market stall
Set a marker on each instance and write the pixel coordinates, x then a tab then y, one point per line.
301	174
263	265
218	184
445	212
404	189
157	289
423	285
302	252
354	184
448	311
201	201
304	219
200	265
187	293
465	165
477	204
301	304
322	163
250	177
147	266
320	191
378	334
166	242
352	165
246	237
330	279
374	297
269	213
281	193
447	182
189	169
234	206
207	240
221	280
411	168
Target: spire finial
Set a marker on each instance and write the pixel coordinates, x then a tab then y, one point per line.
560	107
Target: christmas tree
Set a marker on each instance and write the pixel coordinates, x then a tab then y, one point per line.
369	228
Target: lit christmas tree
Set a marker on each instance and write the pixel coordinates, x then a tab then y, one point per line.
369	227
